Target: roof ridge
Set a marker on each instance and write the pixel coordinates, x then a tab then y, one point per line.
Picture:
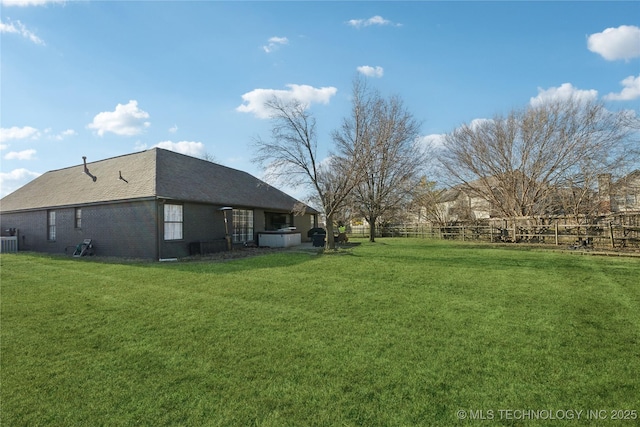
99	161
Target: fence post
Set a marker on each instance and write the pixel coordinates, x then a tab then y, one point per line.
556	233
613	245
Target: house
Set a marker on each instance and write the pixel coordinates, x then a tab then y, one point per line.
462	204
466	202
152	204
622	195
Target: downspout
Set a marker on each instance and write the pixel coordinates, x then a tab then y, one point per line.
159	205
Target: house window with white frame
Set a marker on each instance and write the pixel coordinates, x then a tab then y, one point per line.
172	222
51	225
242	225
78	216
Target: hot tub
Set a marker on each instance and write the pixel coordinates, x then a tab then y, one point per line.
283	238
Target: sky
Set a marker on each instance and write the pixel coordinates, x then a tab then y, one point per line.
107	78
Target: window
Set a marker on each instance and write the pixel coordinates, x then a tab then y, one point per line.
172	222
78	223
276	221
51	225
242	225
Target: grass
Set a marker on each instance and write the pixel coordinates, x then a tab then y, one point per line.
402	332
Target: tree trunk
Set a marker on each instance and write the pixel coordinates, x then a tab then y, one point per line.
330	241
372	230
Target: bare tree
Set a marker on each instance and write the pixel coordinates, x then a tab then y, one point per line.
291	157
388	134
209	157
518	162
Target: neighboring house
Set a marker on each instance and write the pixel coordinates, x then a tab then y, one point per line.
619	196
466	202
152	204
461	204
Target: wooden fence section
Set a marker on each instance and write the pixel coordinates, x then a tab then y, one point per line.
607	235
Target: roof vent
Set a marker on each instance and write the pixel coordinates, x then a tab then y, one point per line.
86	170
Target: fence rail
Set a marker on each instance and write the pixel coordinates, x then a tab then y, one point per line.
609	235
8	244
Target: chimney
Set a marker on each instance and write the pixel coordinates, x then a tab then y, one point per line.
604	191
604	184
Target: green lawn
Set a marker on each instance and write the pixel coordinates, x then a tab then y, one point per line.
402	332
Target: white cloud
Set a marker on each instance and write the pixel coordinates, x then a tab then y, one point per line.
371	71
126	120
616	43
68	132
24	3
173	129
18	27
564	92
253	102
275	43
140	146
374	20
479	123
8	134
20	155
435	140
630	92
190	148
64	134
11	181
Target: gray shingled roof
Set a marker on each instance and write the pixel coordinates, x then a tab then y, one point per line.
155	173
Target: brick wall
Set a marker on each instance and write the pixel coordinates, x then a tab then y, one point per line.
128	229
119	229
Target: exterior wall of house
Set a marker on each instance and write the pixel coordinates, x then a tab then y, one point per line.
626	197
623	196
202	223
131	229
259	223
480	208
122	229
464	208
32	229
303	224
118	229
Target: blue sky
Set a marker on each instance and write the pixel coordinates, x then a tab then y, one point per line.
106	78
